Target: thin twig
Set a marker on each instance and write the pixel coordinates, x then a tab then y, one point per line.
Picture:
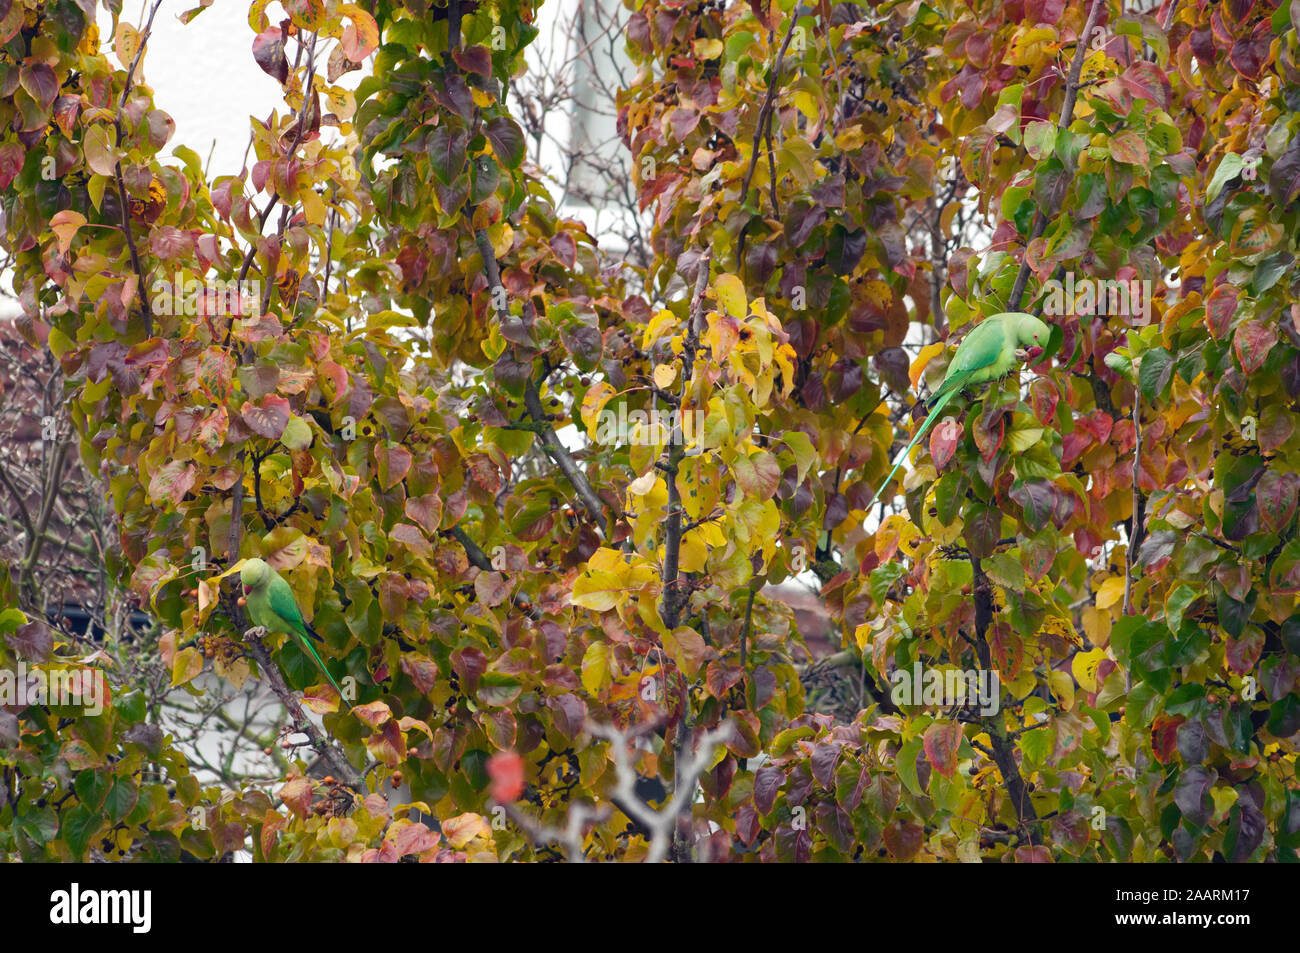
142	291
1067	116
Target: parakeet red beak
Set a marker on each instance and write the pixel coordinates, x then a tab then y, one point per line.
246	589
1035	354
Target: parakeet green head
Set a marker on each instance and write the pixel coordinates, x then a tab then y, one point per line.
255	573
1032	336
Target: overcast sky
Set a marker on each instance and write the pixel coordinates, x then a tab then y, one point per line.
204	76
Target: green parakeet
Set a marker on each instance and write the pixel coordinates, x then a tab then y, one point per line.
271	605
990	351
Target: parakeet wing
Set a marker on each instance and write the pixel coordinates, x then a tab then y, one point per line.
980	349
285	606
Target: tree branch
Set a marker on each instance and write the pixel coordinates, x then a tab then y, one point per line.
1003	747
1067	116
764	117
339	765
137	267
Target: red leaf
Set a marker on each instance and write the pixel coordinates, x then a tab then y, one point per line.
296	795
903	839
943	441
1043	396
268	51
425	510
569	713
491	588
1252	344
720	677
747	823
506	769
1249	54
988	434
268	417
822	763
767	782
1244	652
942	741
394	462
1220	306
1033	855
476	59
1008	651
422	671
415	839
1276	495
1164	737
12	156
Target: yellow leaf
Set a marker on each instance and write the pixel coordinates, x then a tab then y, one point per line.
687	648
1020	686
707	49
664	375
313	207
851	139
1062	687
187	664
209	591
1096	625
662	319
236	672
596	590
502	237
1030	44
878	294
1111	592
642	484
1224	798
1084	665
694	553
606	559
595	667
64	225
806	103
928	353
126	40
593	402
460	830
731	295
1022	439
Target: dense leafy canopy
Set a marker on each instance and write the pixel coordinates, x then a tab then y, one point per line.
1113	533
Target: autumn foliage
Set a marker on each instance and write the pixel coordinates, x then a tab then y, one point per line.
400	416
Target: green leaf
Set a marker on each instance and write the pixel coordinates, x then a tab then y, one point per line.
1154	373
80	825
447	153
905	764
97	145
1038	744
1229	167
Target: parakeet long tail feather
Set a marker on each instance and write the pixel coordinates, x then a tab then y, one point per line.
941	401
312	649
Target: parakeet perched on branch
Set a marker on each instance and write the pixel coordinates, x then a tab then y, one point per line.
271	605
990	351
